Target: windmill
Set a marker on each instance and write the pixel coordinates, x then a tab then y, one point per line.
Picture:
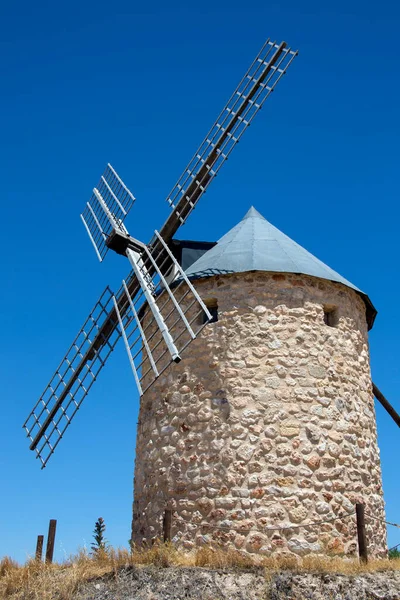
157	284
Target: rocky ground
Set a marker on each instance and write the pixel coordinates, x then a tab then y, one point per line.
178	583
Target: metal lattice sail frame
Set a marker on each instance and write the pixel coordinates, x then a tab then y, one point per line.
161	319
107	208
258	83
157	315
74	377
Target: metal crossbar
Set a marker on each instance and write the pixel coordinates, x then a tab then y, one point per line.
161	319
260	80
73	379
109	204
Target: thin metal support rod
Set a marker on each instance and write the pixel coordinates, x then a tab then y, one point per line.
91	238
386	405
142	335
39	548
50	540
132	257
120	181
128	350
361	533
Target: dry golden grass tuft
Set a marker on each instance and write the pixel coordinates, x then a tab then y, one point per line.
38	581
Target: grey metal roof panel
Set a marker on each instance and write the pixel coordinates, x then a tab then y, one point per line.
256	245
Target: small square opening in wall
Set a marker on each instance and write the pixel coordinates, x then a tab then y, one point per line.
212	305
331	316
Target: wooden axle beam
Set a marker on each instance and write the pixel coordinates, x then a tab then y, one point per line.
386	404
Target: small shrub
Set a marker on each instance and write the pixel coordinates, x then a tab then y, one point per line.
100	545
394	553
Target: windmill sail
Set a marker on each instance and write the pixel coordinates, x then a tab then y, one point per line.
73	379
109	204
257	84
161	319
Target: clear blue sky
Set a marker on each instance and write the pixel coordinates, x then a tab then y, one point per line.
138	84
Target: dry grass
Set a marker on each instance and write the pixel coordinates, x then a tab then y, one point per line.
37	581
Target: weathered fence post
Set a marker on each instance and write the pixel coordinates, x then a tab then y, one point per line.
39	548
361	533
50	540
167	522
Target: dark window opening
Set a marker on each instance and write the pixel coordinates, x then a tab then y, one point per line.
187	252
331	317
212	306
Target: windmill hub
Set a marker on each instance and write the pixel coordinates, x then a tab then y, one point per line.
120	241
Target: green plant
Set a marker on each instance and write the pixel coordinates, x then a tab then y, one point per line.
394	553
100	543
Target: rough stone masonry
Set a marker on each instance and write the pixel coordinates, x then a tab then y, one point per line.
268	424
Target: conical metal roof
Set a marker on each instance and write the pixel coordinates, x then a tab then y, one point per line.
256	245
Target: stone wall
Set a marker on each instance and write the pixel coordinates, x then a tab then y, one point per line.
268	422
179	583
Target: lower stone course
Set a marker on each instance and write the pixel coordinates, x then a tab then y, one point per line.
151	583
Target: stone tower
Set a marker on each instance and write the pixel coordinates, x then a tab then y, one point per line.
269	420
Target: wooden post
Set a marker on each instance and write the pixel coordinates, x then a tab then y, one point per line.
50	540
361	533
39	547
167	522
